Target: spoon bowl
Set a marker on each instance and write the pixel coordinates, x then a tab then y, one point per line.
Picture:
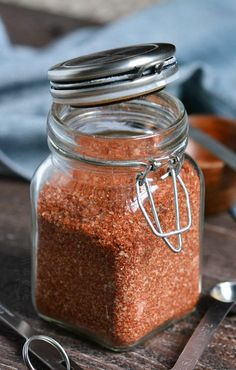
224	292
224	295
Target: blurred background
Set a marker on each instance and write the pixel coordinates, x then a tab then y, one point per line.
98	10
34	35
54	17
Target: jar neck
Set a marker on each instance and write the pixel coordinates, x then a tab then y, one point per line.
126	134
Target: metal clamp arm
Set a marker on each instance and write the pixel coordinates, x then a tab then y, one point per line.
156	228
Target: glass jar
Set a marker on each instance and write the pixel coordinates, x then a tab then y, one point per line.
117	215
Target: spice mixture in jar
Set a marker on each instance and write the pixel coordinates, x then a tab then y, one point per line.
117	207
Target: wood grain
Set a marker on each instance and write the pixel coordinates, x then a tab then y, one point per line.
161	351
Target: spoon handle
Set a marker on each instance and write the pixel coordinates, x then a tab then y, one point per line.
227	155
15	322
202	335
40	349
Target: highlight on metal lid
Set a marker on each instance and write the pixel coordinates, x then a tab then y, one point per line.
113	75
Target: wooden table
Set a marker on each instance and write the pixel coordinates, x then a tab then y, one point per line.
160	352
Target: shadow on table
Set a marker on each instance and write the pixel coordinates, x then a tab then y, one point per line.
15	283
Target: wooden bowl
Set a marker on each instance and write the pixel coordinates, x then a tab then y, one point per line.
220	180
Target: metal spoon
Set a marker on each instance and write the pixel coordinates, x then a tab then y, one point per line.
224	295
45	348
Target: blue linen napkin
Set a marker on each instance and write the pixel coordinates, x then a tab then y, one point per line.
203	32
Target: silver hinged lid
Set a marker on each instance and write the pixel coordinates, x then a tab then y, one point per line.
113	75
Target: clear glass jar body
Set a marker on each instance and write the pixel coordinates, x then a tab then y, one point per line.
97	267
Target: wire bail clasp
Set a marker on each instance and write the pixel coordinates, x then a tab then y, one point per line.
156	228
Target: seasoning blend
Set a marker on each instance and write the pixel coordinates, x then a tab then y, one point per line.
117	207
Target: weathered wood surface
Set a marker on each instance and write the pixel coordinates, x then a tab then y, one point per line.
160	352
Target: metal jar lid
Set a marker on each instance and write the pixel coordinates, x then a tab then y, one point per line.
113	75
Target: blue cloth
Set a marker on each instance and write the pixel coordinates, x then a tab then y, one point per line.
203	32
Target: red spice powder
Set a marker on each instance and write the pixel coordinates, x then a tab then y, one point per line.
99	267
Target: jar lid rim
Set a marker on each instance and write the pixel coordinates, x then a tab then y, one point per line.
113	75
